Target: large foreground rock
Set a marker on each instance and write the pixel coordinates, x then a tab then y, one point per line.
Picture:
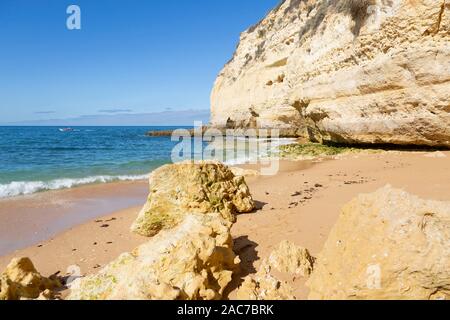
184	188
386	245
192	261
354	71
20	280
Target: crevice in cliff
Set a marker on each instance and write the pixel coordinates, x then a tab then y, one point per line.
359	12
437	27
310	123
279	63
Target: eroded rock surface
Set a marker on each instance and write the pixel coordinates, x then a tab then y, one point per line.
386	245
193	261
365	71
288	259
264	286
180	189
21	281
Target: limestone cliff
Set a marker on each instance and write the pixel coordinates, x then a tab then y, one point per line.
352	71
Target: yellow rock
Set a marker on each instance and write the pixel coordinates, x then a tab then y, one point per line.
264	286
288	258
20	280
386	245
192	261
185	188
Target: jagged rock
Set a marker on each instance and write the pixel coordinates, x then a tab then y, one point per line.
288	258
20	280
184	188
264	286
386	245
384	79
192	261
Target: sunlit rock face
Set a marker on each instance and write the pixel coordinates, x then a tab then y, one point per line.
286	259
192	261
21	281
386	245
366	71
177	190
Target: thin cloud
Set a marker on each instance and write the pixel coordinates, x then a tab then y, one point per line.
115	111
171	118
45	112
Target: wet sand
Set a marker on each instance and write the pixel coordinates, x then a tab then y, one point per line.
300	204
27	220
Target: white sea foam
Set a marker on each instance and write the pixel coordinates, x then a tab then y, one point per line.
18	188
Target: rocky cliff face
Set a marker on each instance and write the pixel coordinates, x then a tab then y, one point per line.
352	71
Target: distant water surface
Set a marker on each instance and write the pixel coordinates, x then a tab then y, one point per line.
34	159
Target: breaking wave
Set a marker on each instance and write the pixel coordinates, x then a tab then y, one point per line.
18	188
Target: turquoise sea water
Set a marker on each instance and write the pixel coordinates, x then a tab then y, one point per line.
34	159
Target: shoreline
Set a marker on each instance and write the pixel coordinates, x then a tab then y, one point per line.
30	219
60	210
300	204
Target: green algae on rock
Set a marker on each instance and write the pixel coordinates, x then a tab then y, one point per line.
314	150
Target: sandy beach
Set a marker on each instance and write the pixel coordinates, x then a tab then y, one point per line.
27	220
301	204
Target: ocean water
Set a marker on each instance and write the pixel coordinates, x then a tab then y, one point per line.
35	159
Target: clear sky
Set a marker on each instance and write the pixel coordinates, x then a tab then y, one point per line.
130	56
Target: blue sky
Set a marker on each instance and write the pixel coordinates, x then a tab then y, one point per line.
132	57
